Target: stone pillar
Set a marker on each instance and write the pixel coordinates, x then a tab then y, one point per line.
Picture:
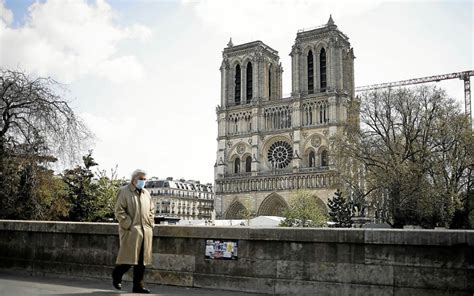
220	165
340	76
296	114
332	110
317	71
260	75
301	70
231	85
294	69
276	82
257	123
243	85
223	84
330	67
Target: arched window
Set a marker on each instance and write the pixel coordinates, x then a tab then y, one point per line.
311	160
249	82
270	82
248	164
310	73
324	158
237	84
322	69
237	165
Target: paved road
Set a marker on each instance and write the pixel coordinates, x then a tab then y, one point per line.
20	284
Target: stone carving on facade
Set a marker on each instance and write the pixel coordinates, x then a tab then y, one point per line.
221	162
297	155
254	158
316	141
240	149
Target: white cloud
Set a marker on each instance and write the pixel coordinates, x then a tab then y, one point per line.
5	15
68	39
140	32
125	68
112	134
273	17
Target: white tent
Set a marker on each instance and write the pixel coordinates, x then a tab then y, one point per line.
260	221
266	221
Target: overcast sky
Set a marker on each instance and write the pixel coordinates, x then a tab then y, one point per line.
144	75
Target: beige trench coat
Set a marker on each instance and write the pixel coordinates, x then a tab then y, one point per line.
135	214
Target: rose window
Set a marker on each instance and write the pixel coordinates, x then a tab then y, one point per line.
280	154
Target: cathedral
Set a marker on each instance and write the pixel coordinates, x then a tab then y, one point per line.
269	146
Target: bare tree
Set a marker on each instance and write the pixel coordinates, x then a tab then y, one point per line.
35	117
412	153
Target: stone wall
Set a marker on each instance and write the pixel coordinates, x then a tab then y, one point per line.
273	261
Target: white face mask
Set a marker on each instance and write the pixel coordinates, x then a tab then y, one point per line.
140	184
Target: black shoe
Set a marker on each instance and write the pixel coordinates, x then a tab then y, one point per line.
116	282
141	290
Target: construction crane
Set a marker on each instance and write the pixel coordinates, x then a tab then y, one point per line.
465	75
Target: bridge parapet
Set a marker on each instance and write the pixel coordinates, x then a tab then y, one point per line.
269	260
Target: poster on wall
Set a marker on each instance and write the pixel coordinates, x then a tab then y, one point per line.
221	250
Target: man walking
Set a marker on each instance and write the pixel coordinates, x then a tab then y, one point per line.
135	213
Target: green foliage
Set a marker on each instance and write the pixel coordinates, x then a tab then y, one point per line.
304	211
81	189
28	190
339	210
105	195
91	198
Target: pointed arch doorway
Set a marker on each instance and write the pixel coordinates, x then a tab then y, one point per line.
272	205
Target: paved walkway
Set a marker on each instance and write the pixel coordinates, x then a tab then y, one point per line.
20	284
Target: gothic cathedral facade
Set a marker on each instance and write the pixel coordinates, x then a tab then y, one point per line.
269	146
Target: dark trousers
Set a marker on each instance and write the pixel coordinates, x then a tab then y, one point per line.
138	270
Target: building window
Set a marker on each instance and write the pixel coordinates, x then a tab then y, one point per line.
310	73
237	84
324	158
249	82
280	154
248	164
311	159
322	69
237	165
270	82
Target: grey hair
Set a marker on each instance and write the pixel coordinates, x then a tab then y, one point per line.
138	172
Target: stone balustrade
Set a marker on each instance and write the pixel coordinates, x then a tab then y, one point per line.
278	179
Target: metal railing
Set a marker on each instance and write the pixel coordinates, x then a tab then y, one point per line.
312	28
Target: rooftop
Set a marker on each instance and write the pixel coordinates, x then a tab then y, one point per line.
234	48
329	26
